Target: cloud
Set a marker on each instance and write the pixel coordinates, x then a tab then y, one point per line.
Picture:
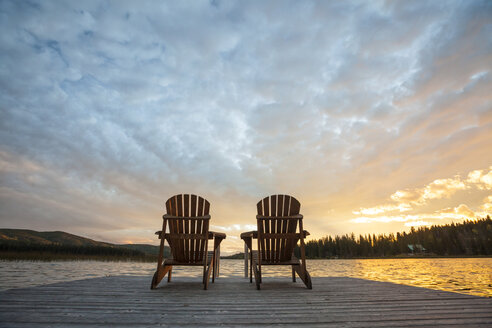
464	210
482	179
235	227
107	108
440	188
411	199
487	206
443	188
461	212
417	224
412	196
384	219
383	208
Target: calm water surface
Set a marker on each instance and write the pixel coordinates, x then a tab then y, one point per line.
468	276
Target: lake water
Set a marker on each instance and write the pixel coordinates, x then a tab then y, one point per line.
468	275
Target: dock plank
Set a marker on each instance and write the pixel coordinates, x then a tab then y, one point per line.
333	302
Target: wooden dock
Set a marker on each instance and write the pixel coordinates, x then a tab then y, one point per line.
233	302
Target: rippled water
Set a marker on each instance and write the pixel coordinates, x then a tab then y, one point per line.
469	275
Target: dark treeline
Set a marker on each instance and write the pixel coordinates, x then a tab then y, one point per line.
70	249
456	239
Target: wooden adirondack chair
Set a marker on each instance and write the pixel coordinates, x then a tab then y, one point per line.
186	223
277	220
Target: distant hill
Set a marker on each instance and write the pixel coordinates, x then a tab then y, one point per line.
144	248
46	238
237	256
59	242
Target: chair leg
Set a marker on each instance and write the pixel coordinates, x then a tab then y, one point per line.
218	264
213	264
206	278
257	277
250	267
169	274
304	275
309	282
293	274
257	274
159	275
154	282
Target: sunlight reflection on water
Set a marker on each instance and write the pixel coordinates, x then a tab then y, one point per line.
468	275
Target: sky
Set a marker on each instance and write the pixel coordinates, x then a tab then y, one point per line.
375	115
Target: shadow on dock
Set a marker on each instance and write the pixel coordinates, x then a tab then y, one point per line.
232	301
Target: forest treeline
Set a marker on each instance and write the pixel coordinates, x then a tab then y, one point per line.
455	239
70	249
12	251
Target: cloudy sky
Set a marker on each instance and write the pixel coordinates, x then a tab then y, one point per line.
376	116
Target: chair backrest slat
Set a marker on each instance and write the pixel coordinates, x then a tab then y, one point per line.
188	234
186	205
193	206
280	205
179	205
200	207
199	224
273	208
277	235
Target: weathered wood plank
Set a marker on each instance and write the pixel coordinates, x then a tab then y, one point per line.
233	301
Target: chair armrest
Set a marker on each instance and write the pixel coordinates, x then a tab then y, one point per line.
254	234
248	234
167	216
211	234
219	235
298	216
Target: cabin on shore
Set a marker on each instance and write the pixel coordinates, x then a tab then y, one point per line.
416	249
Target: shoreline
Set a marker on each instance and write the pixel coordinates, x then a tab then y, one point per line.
240	257
53	257
40	257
